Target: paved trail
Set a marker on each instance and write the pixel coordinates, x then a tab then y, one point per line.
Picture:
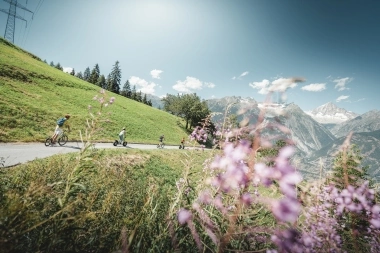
16	153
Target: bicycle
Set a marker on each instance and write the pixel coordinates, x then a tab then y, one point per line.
62	139
182	146
161	145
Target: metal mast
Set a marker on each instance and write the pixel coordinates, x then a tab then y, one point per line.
12	15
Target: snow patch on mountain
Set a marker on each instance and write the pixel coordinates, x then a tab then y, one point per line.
331	114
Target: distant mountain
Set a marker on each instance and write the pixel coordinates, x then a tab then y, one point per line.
331	114
156	101
314	140
367	142
304	130
366	122
308	134
236	105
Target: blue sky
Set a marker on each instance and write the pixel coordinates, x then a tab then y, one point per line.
217	48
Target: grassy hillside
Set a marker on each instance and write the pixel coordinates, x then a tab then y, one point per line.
62	204
34	95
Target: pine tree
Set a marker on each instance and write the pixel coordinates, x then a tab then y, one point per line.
144	100
52	64
115	78
101	82
134	93
139	96
95	73
72	72
109	83
79	75
347	169
86	74
58	66
45	61
150	102
126	91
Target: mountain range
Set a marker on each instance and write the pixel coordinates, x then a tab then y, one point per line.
318	134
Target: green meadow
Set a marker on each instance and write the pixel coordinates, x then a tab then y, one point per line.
34	95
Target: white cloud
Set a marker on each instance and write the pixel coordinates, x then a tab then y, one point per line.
261	86
315	87
244	74
360	99
191	84
280	84
155	73
241	75
142	85
341	83
341	98
67	69
210	85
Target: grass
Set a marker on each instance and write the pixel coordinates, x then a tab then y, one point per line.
68	203
35	95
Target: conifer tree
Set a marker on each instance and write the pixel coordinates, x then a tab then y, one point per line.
79	75
101	82
86	74
58	66
347	169
45	61
139	96
115	77
134	93
95	73
109	83
126	91
52	64
144	100
348	172
72	72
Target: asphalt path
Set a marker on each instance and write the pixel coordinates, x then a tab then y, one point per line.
12	154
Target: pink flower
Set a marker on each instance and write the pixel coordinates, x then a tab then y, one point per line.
184	216
286	210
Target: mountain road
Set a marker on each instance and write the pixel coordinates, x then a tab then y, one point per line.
12	154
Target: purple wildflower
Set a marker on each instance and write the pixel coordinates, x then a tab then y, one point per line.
184	216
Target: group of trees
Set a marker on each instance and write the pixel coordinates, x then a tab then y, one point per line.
111	83
127	92
188	106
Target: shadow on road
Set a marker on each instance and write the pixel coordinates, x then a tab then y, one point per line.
57	146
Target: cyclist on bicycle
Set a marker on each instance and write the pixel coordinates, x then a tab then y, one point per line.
162	137
58	130
182	143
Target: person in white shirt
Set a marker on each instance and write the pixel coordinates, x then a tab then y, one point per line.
122	135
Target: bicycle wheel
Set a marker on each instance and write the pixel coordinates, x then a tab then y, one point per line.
48	142
125	144
62	140
115	143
